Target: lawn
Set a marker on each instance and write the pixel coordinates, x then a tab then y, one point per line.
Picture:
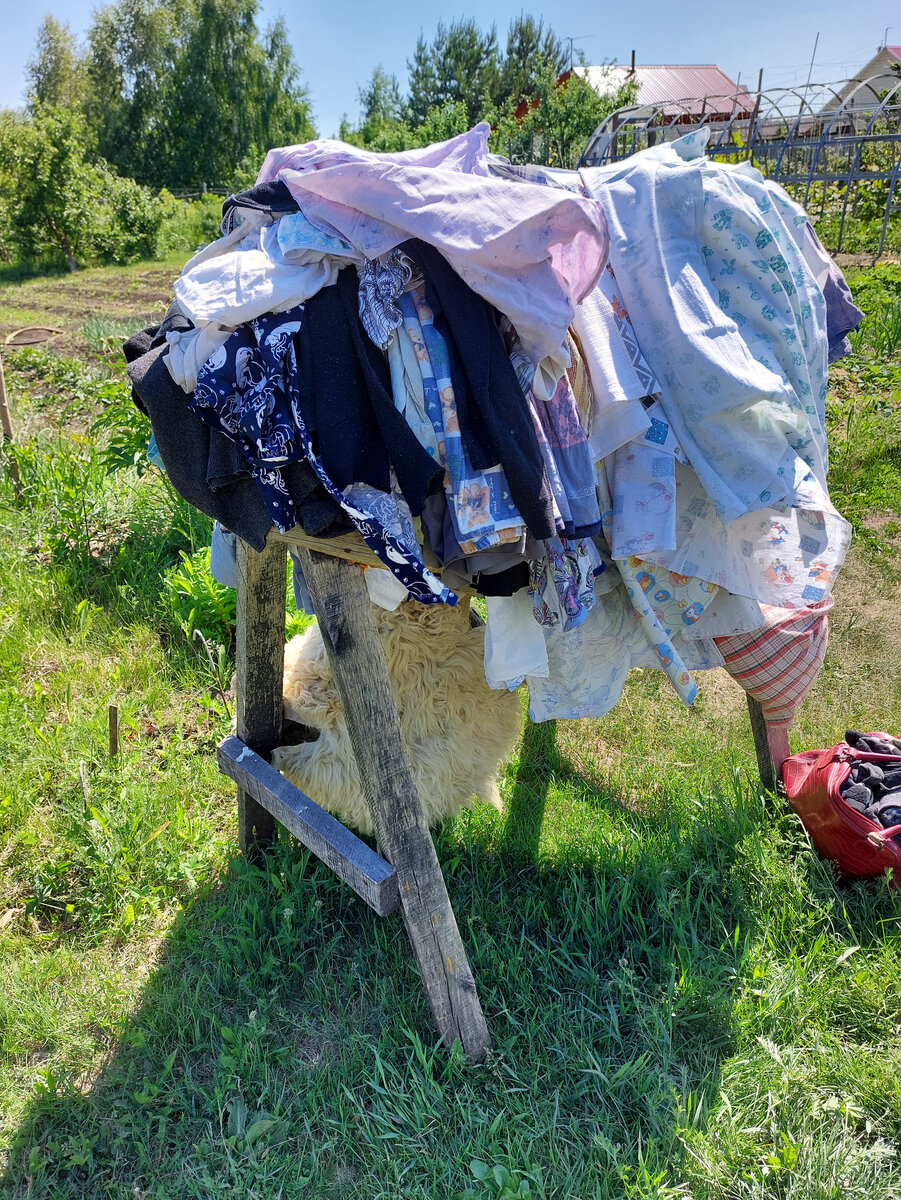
684	1000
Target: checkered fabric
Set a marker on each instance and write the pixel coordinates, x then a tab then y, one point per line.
778	663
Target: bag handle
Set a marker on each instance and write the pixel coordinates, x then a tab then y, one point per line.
849	754
878	837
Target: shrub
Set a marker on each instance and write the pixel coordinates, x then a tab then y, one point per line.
66	207
186	224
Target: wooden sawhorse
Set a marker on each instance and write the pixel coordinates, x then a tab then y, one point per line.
405	872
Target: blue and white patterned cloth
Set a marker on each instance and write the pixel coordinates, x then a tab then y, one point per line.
382	280
479	501
561	583
248	390
728	315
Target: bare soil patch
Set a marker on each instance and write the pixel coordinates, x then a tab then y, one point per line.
133	295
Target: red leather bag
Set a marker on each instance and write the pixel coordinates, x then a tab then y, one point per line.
812	782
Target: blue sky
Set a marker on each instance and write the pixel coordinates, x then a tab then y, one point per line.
337	44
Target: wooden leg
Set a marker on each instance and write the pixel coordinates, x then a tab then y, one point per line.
771	745
259	668
343	608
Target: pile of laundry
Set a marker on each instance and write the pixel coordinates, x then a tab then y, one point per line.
596	398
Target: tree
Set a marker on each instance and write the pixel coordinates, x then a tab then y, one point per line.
62	205
55	71
562	116
237	95
460	66
442	121
133	49
382	126
460	78
182	92
530	47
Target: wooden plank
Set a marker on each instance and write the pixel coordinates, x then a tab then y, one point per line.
345	620
770	744
352	548
349	546
350	858
259	668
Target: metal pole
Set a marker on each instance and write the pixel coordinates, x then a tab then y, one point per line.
753	121
812	57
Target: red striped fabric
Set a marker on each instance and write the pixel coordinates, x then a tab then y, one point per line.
778	664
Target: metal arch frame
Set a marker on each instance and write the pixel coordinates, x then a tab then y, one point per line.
854	176
789	135
840	107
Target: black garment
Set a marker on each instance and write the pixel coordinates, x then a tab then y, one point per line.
206	468
502	583
873	745
274	198
174	321
494	420
874	789
347	402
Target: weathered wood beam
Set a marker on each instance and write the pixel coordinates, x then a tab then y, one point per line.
259	668
343	608
350	858
350	546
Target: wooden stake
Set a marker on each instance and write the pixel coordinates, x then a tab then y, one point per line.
6	423
83	780
5	419
344	612
113	730
770	744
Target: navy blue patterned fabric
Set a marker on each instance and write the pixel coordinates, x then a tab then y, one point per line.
249	391
246	390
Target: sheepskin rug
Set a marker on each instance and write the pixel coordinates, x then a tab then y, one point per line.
456	729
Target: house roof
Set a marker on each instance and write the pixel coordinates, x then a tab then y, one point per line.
698	88
873	78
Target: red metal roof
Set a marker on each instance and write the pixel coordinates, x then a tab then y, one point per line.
690	90
705	88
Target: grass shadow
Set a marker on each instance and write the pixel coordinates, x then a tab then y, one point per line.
281	1043
534	771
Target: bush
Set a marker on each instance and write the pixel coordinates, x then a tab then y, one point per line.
186	224
197	601
63	206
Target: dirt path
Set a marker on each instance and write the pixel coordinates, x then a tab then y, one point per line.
122	296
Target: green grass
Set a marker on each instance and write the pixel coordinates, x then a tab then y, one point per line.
684	1001
864	413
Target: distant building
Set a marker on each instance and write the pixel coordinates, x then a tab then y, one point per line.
688	93
871	80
